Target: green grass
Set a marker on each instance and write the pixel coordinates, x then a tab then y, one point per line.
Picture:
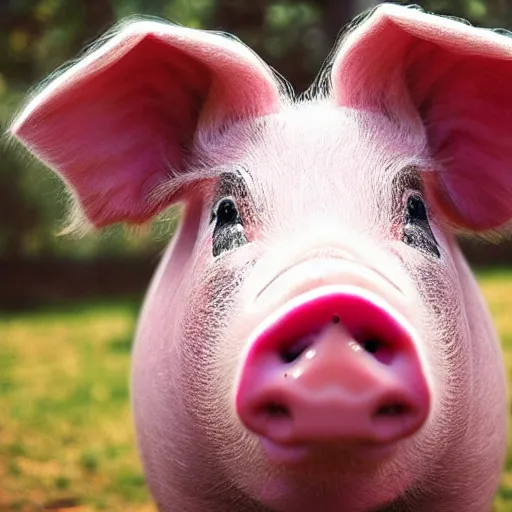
497	288
66	435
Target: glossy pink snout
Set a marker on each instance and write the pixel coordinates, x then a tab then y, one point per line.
335	364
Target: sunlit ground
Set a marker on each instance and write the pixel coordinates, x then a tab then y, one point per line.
66	436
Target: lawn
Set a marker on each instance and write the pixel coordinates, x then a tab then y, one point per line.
66	436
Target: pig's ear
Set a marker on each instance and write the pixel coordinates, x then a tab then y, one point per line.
454	79
121	121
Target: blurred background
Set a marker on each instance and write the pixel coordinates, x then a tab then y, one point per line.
68	306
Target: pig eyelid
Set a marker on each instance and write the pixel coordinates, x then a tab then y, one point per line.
408	179
238	174
236	182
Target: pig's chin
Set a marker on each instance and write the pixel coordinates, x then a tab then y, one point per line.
332	478
326	458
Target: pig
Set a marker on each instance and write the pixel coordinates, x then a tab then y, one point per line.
313	338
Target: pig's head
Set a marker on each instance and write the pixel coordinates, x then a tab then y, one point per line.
313	338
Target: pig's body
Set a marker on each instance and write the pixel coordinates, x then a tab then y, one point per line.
313	338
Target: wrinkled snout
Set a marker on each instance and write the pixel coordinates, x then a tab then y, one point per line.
334	364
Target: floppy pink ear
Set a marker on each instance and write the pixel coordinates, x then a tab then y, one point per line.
457	81
118	123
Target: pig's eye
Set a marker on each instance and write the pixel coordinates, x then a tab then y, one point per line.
417	232
229	230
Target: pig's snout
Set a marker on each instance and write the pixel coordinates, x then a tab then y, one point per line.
336	364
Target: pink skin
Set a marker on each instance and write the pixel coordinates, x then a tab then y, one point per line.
338	236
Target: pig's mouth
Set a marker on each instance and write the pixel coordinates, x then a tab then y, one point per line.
334	370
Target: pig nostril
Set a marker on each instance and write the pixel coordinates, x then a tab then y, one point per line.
276	410
372	346
392	410
291	352
379	349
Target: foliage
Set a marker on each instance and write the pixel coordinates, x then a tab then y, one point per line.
66	428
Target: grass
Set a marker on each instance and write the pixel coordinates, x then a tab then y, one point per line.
66	435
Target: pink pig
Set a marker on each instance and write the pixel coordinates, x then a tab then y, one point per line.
313	339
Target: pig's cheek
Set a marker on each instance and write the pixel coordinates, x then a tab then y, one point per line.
206	332
444	332
211	360
435	302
